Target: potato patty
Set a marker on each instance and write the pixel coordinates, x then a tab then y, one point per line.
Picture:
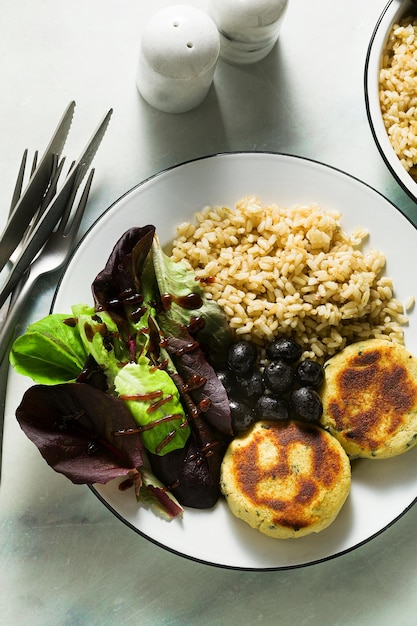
285	479
370	399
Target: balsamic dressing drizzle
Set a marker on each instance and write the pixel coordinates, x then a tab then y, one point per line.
195	324
190	302
126	484
205	452
151	395
156	405
70	321
170	436
205	280
131	298
149	426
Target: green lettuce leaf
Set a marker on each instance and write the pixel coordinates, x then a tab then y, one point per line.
184	298
50	352
154	401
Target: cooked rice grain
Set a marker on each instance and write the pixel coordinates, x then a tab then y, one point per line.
398	92
291	272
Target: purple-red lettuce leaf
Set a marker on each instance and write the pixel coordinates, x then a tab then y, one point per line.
193	473
203	385
117	288
81	431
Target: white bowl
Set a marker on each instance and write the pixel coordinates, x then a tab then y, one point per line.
381	491
392	13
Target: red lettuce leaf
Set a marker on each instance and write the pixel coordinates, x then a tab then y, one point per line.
116	289
193	477
75	427
204	387
193	473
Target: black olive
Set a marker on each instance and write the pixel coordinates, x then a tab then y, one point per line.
309	373
253	386
227	380
272	408
242	357
278	376
242	415
306	405
285	349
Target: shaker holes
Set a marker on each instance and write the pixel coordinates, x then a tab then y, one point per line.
176	25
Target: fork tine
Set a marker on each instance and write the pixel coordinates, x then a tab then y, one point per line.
16	196
50	192
82	203
19	182
34	162
79	211
20	177
60	227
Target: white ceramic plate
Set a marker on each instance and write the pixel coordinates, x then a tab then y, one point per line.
392	13
382	490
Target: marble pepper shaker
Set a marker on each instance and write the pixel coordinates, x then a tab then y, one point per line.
179	49
248	29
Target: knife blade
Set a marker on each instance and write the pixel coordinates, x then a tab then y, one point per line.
35	189
53	212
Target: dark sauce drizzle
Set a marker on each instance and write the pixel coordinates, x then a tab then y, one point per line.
205	280
190	302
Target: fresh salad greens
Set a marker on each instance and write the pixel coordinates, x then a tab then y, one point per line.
50	352
129	381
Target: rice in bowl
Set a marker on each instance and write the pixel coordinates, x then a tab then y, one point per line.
294	272
398	91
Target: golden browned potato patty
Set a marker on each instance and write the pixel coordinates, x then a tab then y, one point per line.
370	399
285	479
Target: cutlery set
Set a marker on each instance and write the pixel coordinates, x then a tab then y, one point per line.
42	228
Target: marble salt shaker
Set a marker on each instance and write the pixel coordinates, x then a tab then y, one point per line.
248	29
179	49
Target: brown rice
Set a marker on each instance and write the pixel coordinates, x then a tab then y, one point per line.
398	91
291	272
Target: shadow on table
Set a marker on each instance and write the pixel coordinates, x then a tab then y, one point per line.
248	108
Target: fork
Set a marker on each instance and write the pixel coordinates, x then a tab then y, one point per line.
52	257
17	191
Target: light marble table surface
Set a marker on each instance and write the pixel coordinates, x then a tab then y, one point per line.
65	559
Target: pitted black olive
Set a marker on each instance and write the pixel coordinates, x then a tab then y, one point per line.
284	349
272	408
242	415
242	357
227	380
253	386
278	376
306	405
309	373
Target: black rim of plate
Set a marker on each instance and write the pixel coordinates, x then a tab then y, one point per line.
369	112
94	490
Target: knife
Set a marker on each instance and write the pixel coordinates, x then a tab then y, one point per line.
34	192
53	212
